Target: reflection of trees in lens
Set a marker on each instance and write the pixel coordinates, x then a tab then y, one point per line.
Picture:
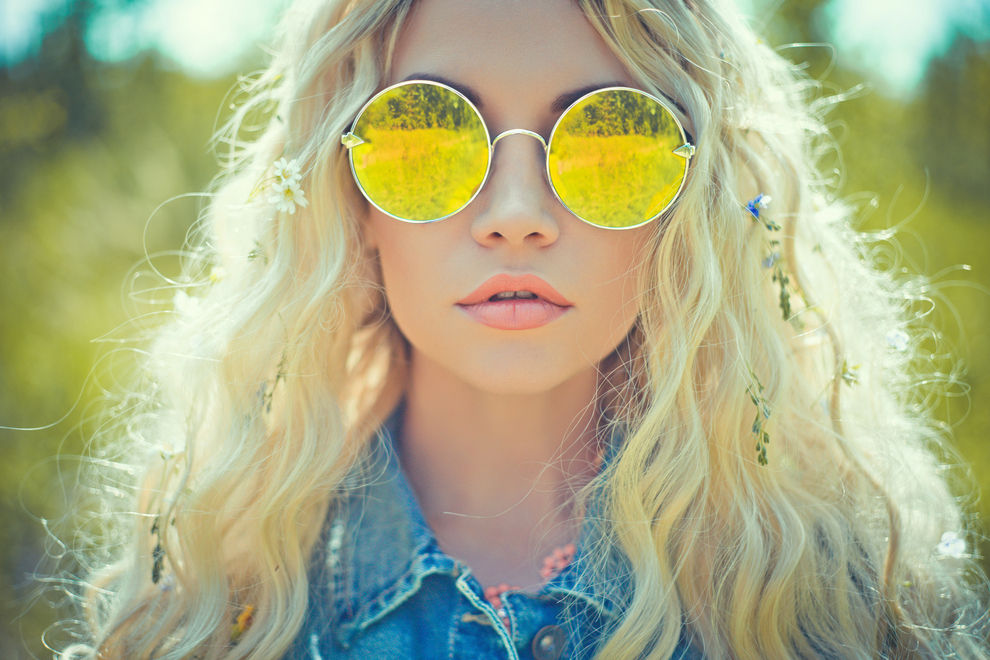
418	106
620	112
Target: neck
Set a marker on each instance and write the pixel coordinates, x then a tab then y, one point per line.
485	463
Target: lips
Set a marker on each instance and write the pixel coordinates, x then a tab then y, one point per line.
515	313
505	282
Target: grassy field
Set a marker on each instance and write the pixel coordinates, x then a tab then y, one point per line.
440	171
615	181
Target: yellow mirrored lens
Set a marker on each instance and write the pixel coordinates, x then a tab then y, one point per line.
425	151
611	158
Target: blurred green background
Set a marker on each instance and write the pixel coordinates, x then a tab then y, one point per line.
106	110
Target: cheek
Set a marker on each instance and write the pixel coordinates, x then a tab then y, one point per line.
617	307
616	289
410	257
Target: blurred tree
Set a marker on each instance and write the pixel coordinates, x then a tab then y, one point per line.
800	29
46	100
952	119
77	221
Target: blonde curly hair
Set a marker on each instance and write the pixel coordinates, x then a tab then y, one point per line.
265	388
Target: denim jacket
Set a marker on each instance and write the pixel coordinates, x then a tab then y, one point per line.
381	587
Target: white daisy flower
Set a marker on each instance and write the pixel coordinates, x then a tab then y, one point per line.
286	193
287	171
287	196
951	546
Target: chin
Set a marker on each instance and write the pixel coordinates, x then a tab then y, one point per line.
511	366
519	374
507	382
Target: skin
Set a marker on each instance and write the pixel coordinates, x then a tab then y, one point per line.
500	426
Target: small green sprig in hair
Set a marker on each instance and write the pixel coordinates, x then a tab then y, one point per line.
266	392
755	391
755	206
257	253
158	554
850	373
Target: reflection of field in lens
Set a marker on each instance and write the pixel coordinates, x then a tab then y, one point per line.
421	174
615	181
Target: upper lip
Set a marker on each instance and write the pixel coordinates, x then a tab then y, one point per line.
507	282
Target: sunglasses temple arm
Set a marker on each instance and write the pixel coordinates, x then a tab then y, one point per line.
349	140
685	151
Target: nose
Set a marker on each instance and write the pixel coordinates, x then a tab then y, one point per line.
516	202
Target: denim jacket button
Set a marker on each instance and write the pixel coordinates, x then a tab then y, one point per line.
548	643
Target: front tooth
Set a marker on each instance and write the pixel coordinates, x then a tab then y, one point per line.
504	295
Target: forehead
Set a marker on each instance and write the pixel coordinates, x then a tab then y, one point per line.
505	47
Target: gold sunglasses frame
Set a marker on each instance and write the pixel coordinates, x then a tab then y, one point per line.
349	140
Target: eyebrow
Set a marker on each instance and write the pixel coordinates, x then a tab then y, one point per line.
559	104
564	101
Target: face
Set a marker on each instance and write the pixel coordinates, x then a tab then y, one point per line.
516	58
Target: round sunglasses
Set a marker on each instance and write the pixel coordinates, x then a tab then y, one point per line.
420	152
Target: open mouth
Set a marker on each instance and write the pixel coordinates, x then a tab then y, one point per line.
515	302
513	295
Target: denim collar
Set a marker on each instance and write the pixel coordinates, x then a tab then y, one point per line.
379	547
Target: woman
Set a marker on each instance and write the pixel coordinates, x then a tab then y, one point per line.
586	392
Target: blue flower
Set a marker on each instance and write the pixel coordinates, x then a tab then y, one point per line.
759	202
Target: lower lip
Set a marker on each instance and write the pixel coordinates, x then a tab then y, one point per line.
514	314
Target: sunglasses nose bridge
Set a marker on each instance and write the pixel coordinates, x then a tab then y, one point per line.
520	131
